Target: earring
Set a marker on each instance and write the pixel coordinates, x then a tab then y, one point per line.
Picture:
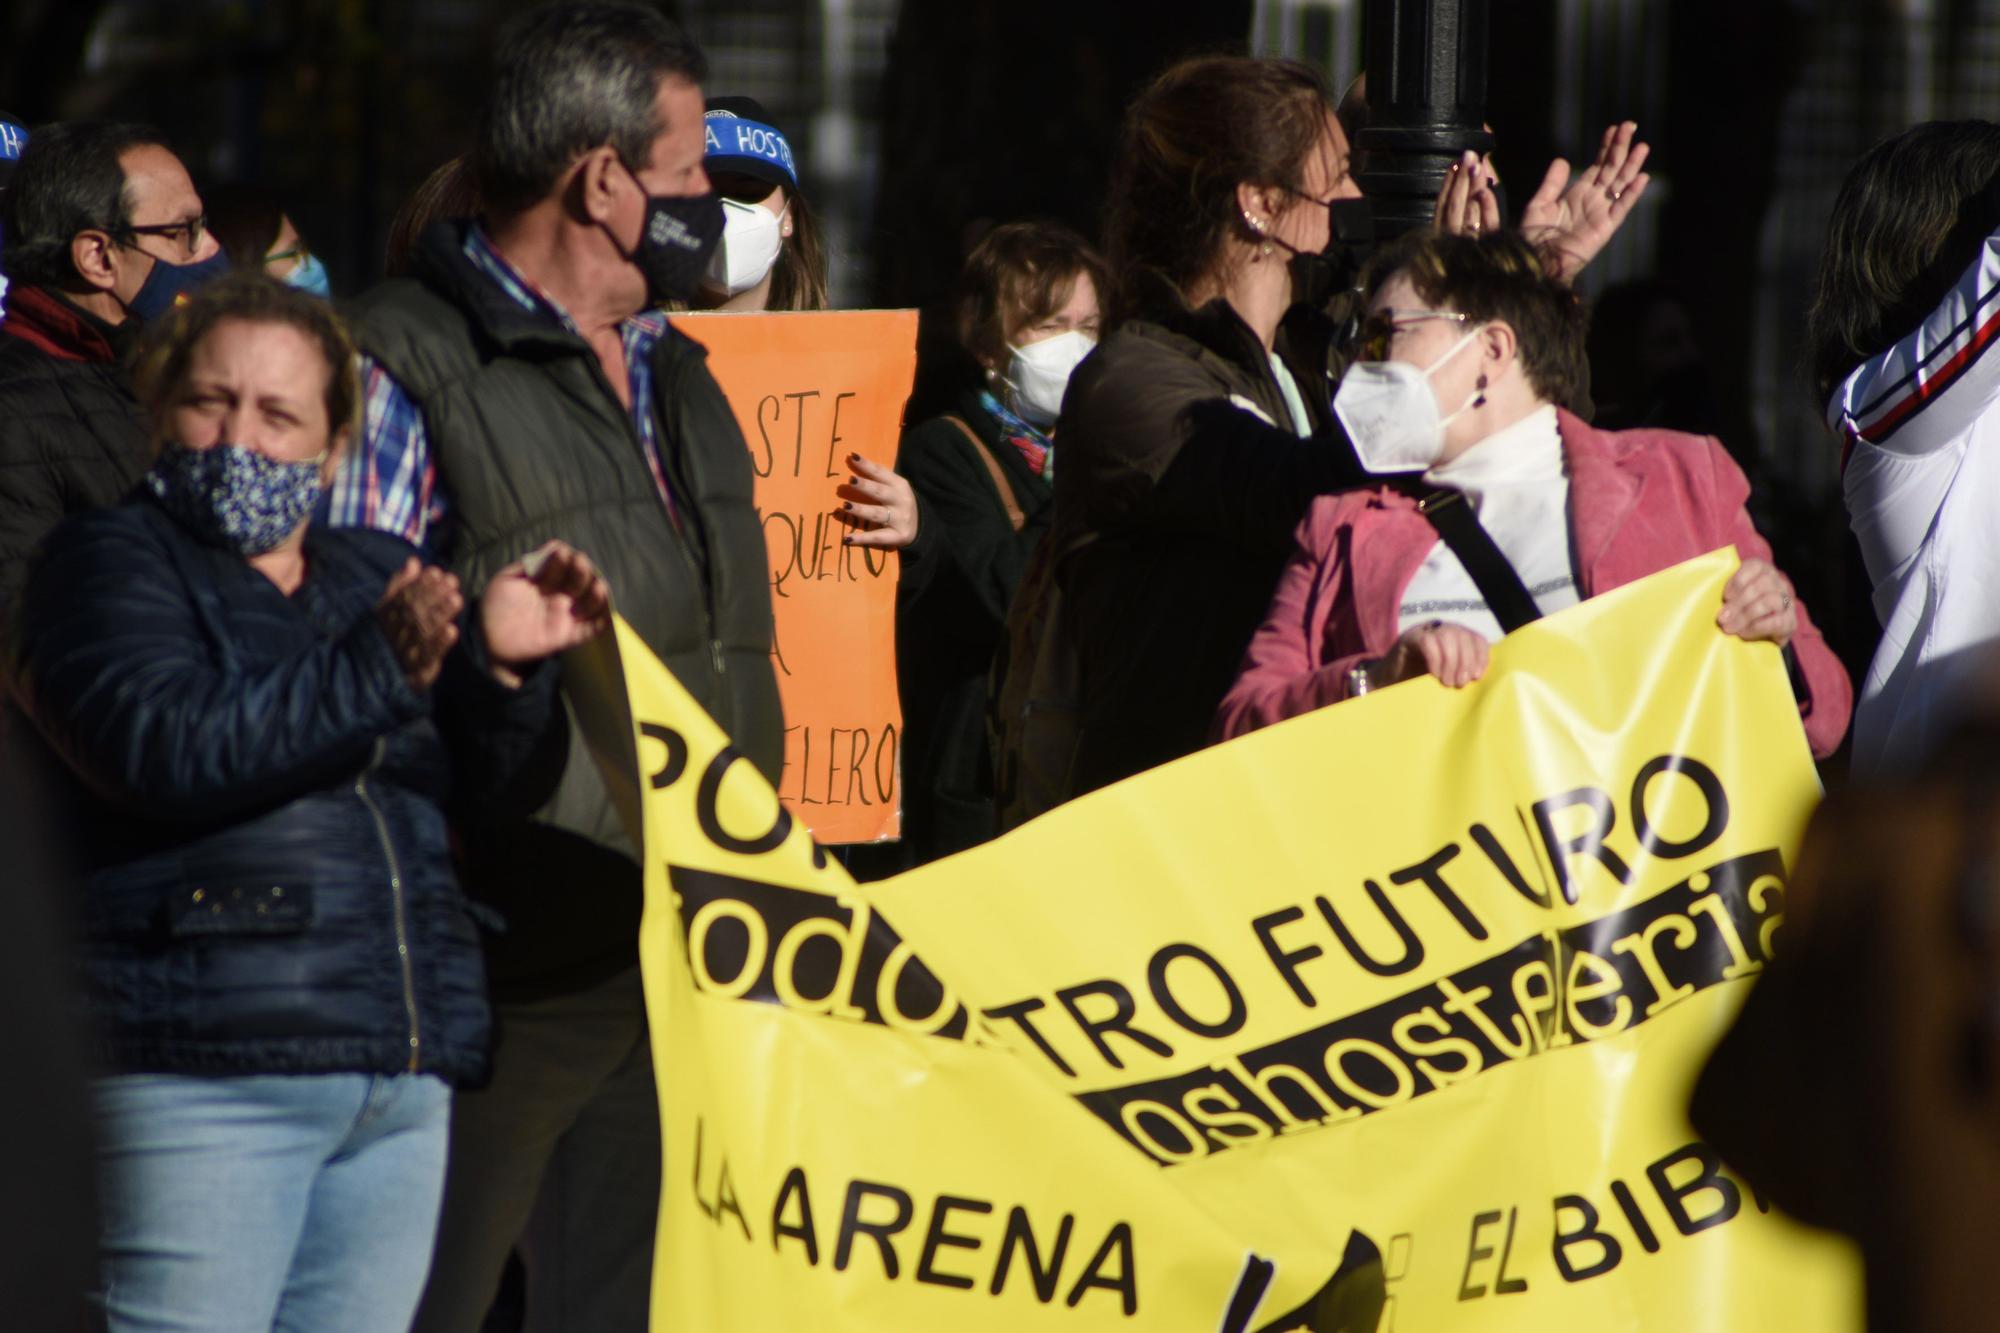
1479	395
1265	249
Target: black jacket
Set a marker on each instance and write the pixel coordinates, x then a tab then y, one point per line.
951	622
71	437
531	444
1180	505
255	797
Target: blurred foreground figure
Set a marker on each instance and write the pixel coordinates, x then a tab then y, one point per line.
46	1205
1860	1087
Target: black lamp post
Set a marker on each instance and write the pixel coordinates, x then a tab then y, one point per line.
1426	62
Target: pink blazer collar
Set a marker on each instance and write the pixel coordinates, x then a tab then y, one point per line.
1602	495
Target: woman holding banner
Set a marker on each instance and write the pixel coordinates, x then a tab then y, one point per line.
1521	507
283	973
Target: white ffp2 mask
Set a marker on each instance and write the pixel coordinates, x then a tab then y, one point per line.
1391	414
751	238
1038	374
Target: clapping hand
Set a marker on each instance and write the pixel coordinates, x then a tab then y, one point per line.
548	602
879	503
1573	219
419	616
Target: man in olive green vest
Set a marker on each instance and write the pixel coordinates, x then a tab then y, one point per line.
522	386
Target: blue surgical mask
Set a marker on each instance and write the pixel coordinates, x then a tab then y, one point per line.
309	275
170	284
233	497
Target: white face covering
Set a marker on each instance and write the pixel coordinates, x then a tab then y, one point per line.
751	239
1391	412
1038	373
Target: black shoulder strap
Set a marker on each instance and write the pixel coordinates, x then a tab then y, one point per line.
1456	523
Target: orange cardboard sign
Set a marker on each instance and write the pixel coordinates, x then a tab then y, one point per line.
809	389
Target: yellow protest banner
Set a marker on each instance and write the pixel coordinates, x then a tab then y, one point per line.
808	389
1383	1018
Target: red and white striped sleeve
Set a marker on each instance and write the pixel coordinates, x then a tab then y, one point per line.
1928	387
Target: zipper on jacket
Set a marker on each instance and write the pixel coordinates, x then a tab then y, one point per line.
396	897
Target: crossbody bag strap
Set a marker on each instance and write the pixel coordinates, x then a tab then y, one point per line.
1015	517
1460	529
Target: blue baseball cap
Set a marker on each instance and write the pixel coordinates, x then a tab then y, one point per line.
742	141
13	138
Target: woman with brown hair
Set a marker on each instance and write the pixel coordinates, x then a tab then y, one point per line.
1191	442
1028	313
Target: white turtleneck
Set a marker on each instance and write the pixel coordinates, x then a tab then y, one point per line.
1516	482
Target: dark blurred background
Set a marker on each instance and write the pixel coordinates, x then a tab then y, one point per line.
921	122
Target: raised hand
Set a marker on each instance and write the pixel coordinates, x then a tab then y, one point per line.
547	602
879	505
1574	219
419	616
1466	204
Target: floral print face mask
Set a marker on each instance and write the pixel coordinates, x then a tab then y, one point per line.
233	497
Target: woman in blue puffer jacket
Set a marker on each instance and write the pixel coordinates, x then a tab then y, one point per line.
258	720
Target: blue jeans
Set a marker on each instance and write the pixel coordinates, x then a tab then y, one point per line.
301	1202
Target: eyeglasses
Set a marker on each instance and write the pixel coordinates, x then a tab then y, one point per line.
1378	328
190	232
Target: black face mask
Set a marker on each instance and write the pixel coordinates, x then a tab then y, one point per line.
1350	236
676	241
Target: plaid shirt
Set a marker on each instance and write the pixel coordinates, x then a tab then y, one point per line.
390	482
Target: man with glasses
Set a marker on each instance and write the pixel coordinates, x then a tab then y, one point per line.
104	231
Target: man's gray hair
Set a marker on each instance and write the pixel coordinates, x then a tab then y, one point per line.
569	78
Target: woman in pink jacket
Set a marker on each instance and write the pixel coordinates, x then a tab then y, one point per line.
1469	345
